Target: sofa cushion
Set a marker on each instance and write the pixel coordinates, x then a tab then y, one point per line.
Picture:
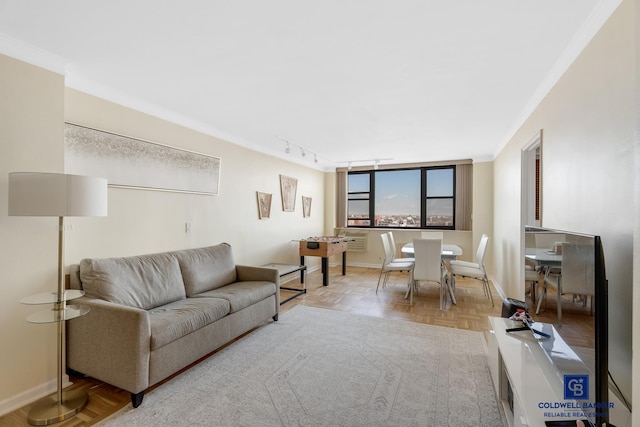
145	281
204	269
242	294
177	319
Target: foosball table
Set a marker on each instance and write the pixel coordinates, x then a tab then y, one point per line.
324	247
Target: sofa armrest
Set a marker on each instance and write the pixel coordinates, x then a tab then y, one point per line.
111	343
248	273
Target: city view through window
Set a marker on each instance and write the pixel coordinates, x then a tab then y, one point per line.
397	201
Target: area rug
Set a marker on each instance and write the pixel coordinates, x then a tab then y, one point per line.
318	367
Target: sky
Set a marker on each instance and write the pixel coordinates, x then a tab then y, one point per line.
398	192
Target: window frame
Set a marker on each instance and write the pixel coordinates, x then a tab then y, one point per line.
370	218
423	197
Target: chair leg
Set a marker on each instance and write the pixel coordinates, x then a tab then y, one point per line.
386	279
411	286
534	288
448	285
487	288
541	297
379	277
559	308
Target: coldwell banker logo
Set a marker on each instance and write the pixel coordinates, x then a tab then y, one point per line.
576	387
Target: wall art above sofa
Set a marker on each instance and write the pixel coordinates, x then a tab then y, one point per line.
135	163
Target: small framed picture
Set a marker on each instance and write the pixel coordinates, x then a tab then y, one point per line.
288	187
306	206
264	205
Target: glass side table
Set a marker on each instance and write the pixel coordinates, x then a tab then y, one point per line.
67	312
64	403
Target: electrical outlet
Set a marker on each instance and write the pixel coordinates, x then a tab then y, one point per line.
187	227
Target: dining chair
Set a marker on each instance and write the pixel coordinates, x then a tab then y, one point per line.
389	265
474	270
429	267
532	276
572	277
396	258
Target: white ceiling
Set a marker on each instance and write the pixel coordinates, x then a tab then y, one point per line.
348	80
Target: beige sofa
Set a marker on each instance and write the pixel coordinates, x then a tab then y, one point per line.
152	315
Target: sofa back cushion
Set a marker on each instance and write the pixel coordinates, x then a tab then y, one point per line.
204	269
145	281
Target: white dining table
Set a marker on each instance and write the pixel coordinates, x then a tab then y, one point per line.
543	257
449	251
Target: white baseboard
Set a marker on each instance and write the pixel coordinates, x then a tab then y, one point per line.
498	287
31	395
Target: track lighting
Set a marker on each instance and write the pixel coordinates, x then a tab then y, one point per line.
303	151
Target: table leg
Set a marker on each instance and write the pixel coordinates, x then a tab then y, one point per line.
325	271
344	263
302	272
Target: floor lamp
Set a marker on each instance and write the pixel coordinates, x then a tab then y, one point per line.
51	194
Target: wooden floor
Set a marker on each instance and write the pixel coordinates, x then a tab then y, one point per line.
353	293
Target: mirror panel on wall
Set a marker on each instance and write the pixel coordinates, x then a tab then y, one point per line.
567	288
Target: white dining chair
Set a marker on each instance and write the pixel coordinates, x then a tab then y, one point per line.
389	265
575	276
430	268
532	276
394	248
474	270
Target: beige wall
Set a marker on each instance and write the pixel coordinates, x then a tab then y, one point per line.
588	173
31	129
33	109
483	212
142	221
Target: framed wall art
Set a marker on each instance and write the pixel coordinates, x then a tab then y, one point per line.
306	206
135	163
288	188
264	205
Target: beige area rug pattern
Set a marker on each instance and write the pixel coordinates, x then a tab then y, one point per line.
318	367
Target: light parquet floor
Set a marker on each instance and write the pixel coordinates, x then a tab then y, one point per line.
353	293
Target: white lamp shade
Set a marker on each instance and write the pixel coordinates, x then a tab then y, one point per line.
53	194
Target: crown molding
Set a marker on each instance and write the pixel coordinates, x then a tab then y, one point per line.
31	54
601	13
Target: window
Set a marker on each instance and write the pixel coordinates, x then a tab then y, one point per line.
358	205
440	197
408	198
